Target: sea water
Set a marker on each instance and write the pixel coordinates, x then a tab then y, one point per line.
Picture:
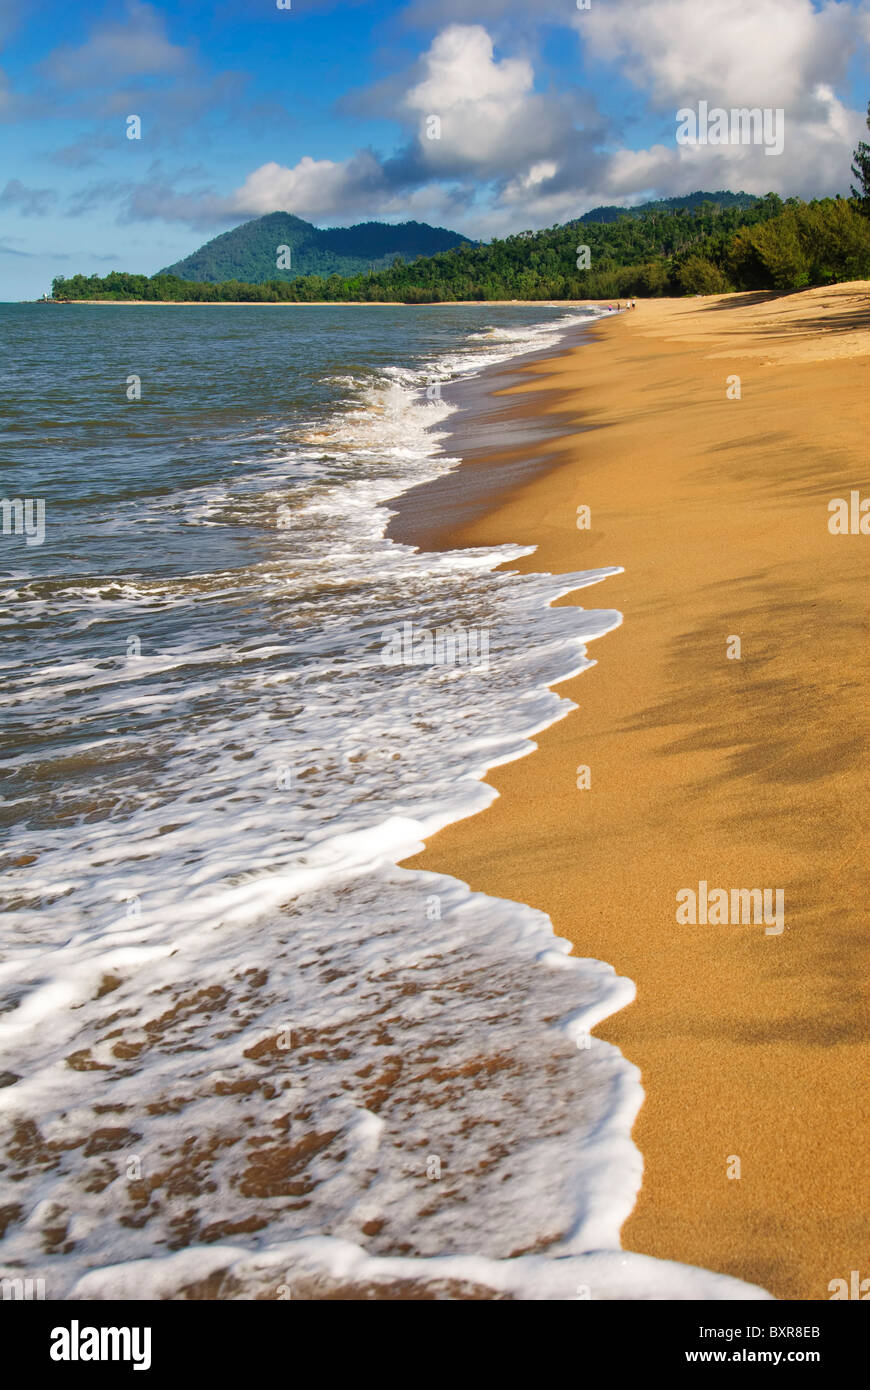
234	1036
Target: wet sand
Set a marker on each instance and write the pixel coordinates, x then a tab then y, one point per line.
746	772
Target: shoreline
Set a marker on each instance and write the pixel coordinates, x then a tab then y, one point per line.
499	442
492	972
331	303
705	768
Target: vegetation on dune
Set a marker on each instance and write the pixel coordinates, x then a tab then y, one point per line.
808	244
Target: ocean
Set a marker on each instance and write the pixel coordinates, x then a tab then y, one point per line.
237	1042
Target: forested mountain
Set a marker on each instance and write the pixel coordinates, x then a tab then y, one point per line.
250	252
708	249
722	199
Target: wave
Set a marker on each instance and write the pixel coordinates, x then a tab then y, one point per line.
353	1069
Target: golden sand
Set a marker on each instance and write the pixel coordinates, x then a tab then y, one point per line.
748	772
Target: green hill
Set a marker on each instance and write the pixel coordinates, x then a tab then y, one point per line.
250	252
722	199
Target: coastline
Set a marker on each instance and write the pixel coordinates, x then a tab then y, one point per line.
332	303
499	441
737	772
468	1094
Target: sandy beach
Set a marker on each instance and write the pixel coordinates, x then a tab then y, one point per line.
336	303
741	770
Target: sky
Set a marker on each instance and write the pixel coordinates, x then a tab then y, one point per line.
484	116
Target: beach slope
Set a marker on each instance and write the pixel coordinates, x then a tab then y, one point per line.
725	732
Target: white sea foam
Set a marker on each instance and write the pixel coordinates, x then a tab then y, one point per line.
239	1031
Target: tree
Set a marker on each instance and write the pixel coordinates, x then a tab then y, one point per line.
770	256
715	247
836	239
861	170
697	275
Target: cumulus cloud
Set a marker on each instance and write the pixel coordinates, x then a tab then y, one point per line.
814	160
313	187
781	54
770	53
479	104
474	119
490	120
482	147
469	117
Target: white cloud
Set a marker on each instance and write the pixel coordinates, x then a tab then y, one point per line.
521	187
767	53
492	120
313	188
782	54
507	152
493	128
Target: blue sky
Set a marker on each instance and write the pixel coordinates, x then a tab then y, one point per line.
488	116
